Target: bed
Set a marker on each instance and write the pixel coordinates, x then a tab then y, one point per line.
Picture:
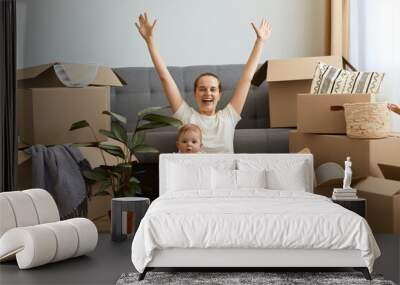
247	210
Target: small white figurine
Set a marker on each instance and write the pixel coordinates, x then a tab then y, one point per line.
347	174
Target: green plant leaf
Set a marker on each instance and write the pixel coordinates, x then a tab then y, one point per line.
79	125
163	119
145	149
136	139
104	186
102	193
95	175
90	144
116	116
134	179
108	134
113	150
151	109
152	125
120	132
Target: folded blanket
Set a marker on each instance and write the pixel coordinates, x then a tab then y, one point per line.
57	169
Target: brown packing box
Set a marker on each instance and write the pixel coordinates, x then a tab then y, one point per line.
324	114
287	78
46	108
383	203
366	154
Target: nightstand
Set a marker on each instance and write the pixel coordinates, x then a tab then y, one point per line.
358	205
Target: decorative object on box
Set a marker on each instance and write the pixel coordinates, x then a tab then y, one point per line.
31	230
357	205
121	229
120	177
332	80
367	120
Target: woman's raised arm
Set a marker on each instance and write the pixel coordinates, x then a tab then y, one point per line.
169	86
243	86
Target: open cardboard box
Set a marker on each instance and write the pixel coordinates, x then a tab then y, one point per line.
382	199
366	154
383	203
287	78
46	108
324	113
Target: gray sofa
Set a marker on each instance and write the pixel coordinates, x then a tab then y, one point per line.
143	89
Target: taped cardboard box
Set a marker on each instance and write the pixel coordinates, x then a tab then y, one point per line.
367	154
46	108
287	78
383	203
324	114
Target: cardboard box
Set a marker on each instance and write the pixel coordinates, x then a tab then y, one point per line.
383	203
287	78
368	155
324	114
46	108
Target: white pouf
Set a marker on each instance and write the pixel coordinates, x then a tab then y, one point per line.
31	230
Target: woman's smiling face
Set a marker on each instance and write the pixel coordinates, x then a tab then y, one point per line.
207	94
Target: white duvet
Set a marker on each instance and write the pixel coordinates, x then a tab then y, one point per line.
252	218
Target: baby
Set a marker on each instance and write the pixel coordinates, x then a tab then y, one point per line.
189	139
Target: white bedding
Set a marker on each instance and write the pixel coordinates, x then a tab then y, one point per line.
252	218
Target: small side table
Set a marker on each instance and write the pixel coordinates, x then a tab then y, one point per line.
358	205
137	205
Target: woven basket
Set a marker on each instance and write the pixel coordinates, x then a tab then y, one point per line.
367	120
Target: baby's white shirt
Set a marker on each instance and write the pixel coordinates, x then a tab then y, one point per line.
217	131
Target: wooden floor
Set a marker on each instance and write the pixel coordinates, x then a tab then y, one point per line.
111	259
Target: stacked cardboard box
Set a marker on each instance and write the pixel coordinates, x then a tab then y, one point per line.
321	127
46	108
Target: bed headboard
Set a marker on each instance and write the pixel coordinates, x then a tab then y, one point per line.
264	160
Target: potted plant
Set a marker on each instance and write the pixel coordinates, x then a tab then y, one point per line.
120	177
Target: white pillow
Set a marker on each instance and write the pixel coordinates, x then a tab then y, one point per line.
251	178
294	178
188	177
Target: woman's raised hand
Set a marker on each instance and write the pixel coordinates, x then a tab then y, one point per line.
144	27
263	31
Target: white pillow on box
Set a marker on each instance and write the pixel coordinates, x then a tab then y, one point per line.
224	179
188	177
251	178
293	178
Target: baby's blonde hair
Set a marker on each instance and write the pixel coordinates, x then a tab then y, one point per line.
189	127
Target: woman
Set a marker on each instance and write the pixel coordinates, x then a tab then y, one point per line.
218	128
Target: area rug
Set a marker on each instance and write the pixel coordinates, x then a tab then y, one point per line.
243	278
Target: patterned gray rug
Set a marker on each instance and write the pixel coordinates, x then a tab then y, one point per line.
243	278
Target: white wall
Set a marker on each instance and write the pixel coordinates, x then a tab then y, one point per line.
375	45
189	32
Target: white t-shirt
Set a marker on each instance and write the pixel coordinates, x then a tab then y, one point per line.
217	131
